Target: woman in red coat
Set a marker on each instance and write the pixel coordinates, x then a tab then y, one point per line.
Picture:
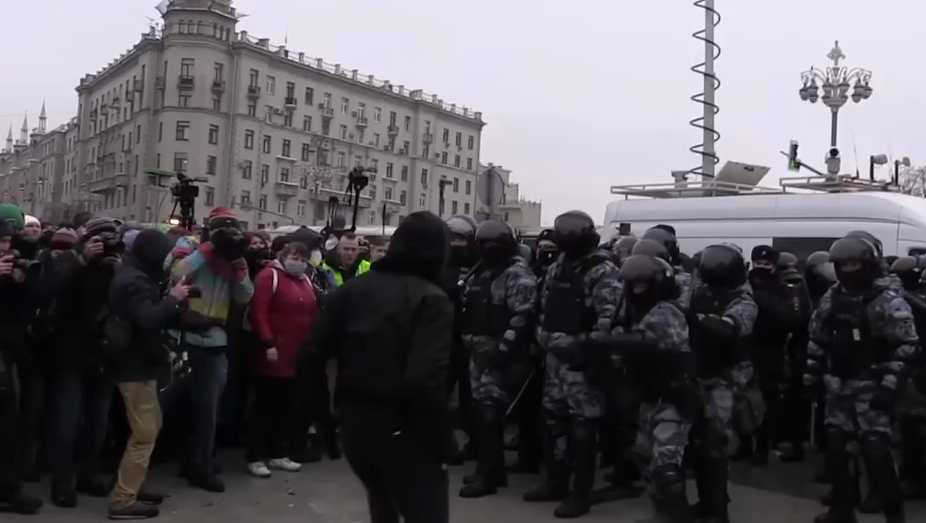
283	311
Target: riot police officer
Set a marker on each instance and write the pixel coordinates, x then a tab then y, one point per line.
622	249
662	244
862	338
578	302
907	268
654	346
819	275
722	316
498	307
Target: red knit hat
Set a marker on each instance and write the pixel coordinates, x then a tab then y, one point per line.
222	217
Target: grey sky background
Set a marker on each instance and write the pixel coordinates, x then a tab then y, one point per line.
578	95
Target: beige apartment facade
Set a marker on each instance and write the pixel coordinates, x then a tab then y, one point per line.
522	214
267	131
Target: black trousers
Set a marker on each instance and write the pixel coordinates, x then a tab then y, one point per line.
10	486
273	420
403	480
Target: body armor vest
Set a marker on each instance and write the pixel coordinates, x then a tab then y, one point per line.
854	349
481	316
714	355
565	310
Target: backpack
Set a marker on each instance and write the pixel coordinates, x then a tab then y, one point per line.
274	283
115	334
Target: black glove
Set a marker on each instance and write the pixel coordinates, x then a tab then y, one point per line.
717	326
883	399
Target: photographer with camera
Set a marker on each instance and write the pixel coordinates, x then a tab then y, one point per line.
140	307
12	499
217	267
83	392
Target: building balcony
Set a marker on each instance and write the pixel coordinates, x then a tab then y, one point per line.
185	81
160	83
286	189
138	85
290	103
393	130
325	192
327	112
218	86
115	104
427	138
108	184
362	122
253	92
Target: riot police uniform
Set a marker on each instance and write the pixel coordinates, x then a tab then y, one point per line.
622	249
663	234
654	346
862	338
722	314
498	308
578	303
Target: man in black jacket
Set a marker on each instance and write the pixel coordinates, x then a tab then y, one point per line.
390	332
135	297
83	393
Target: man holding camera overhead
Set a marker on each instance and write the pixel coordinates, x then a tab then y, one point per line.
217	267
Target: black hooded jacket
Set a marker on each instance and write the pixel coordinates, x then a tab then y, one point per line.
390	331
135	296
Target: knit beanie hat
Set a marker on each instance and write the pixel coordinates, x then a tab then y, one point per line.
13	214
221	217
97	226
63	239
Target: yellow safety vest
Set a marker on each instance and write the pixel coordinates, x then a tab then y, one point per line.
364	267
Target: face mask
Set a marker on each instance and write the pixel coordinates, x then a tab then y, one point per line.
295	267
762	272
459	256
858	280
315	259
331	244
547	255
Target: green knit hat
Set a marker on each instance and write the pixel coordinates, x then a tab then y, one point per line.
13	214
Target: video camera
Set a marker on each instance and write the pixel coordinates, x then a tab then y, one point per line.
185	192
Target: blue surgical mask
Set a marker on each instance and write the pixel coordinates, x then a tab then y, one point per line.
295	267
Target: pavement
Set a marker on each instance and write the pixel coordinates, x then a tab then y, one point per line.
327	492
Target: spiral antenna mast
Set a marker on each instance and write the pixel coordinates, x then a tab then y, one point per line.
705	69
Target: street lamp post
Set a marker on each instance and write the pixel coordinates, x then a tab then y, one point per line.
835	80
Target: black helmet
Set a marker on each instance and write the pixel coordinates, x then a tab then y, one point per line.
462	227
722	266
667	239
574	233
907	268
651	248
858	250
526	252
870	238
820	268
786	260
494	231
817	258
655	272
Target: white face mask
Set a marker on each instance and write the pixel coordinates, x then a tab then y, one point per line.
331	244
315	259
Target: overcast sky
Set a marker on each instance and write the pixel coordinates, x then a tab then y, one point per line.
578	95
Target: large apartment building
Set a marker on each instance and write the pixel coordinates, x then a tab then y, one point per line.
269	132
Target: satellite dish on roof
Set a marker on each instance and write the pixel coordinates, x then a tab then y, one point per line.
741	173
490	188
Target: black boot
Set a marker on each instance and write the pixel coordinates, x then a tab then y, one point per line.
556	484
876	450
19	503
63	494
669	500
842	496
760	454
584	450
718	478
491	470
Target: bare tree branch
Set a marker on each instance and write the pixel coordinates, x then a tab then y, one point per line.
913	180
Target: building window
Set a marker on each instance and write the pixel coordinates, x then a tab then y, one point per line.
327	97
469	164
247	169
404	173
300	208
456	160
307	124
291	90
309	95
252	109
469	187
267	143
281	206
262	202
424	177
284	174
389	170
183	100
456	184
345	105
459	140
246	197
288	119
342	159
446	136
388	194
271	85
408	123
374	163
361	110
403	195
453	207
470	141
180	162
378	114
326	127
466	209
217	103
405	147
249	139
254	80
186	67
182	129
306	152
286	148
343	132
219	70
214	134
210	196
210	164
443	157
421	201
264	174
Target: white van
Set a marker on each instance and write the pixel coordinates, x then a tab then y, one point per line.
797	223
